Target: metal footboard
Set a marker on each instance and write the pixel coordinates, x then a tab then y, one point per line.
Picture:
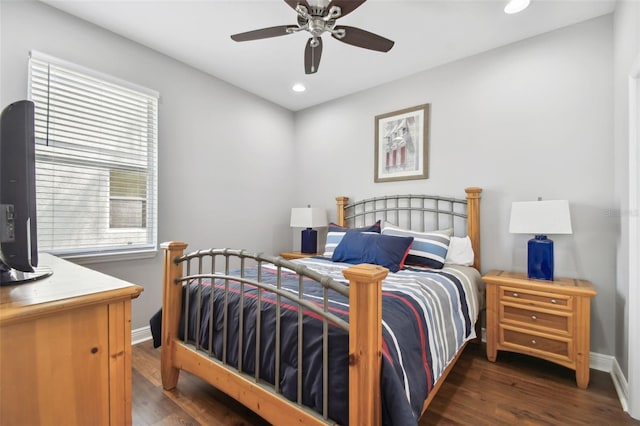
225	266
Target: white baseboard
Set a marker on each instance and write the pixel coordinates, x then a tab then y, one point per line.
597	361
621	385
140	335
601	362
608	364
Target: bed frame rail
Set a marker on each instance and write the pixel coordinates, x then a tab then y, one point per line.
365	339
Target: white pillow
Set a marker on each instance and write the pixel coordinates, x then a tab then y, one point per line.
460	252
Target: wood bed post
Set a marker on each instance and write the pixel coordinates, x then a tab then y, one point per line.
171	312
365	343
473	222
340	203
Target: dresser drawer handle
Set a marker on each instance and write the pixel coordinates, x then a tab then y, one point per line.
554	301
516	295
533	342
533	317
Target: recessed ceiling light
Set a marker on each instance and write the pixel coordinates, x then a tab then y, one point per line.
298	87
515	6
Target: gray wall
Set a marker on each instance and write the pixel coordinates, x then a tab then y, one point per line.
627	50
530	119
526	120
222	151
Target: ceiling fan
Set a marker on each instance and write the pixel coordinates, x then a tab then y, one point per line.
318	17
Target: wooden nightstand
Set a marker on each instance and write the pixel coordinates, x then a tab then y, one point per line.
290	255
545	319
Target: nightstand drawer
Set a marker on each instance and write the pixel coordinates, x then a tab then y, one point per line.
536	343
545	319
527	317
550	300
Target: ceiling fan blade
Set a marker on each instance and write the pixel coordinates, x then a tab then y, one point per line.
262	33
312	55
294	3
361	38
346	6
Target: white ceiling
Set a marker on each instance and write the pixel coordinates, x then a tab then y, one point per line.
427	33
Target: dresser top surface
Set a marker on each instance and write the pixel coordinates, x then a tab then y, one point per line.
70	285
520	278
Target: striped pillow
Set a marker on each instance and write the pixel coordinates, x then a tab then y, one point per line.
337	232
428	248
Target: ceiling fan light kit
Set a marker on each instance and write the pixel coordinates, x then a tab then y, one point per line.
318	17
516	6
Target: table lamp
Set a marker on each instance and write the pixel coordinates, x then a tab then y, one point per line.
308	217
540	218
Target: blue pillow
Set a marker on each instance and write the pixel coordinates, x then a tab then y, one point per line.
365	247
337	232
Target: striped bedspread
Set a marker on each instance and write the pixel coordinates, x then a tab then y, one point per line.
427	316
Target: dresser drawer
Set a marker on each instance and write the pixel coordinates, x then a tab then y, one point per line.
549	300
513	313
536	343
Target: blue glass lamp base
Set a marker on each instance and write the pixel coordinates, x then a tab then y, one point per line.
540	258
309	241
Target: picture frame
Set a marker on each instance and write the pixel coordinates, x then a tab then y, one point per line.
401	144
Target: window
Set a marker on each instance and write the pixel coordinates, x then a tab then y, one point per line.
127	199
96	161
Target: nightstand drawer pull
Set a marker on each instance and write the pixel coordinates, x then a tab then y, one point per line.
533	342
535	297
533	317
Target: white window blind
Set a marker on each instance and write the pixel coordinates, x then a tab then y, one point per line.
96	161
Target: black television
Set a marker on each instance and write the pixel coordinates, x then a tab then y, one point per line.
18	230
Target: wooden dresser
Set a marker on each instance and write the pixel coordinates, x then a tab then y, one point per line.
65	348
545	319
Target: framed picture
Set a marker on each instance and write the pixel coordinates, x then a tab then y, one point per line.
401	141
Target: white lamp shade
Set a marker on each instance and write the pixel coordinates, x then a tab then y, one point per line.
540	217
308	217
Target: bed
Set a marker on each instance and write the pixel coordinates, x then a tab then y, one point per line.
377	345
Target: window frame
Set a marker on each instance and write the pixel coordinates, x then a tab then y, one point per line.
148	248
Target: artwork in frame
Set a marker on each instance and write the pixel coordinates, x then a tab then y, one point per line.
401	141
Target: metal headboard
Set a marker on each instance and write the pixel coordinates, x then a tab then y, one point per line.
418	213
415	212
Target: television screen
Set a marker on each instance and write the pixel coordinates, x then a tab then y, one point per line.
18	230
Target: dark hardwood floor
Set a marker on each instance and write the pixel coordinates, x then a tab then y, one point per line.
516	390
